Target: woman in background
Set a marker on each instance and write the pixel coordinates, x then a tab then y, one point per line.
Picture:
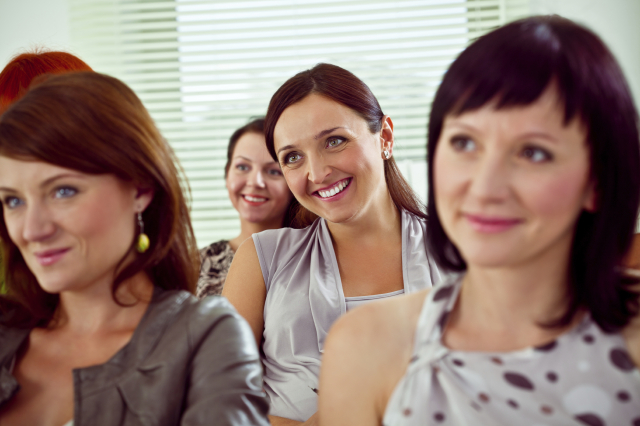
259	194
533	201
365	238
98	325
18	74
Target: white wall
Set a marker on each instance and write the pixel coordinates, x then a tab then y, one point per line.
27	24
616	21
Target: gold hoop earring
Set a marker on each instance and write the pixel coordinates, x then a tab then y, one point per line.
143	242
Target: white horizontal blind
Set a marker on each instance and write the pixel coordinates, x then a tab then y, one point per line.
202	68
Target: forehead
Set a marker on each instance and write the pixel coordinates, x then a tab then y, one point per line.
313	114
252	146
545	114
15	171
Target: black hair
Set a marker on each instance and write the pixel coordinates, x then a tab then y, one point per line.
513	66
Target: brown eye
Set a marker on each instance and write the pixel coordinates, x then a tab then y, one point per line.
463	144
536	154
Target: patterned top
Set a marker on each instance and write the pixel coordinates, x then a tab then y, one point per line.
584	377
216	260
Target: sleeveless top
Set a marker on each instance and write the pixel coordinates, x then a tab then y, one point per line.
583	377
304	298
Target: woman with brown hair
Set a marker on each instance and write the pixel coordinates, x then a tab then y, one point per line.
365	238
98	325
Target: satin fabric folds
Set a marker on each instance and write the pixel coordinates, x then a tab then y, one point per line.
305	297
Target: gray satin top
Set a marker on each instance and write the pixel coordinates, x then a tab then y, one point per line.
305	297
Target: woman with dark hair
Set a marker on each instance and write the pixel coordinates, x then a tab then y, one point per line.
18	74
98	325
365	238
533	156
259	194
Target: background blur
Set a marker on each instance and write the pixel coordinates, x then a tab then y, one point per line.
203	68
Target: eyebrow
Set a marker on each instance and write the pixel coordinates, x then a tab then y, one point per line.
541	135
47	181
316	137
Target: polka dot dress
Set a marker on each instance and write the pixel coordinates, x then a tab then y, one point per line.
584	377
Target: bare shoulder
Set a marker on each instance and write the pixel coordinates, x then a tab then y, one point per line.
366	353
244	287
631	332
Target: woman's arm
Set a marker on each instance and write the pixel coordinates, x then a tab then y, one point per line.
245	287
281	421
224	385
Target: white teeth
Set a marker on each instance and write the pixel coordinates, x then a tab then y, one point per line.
254	199
333	191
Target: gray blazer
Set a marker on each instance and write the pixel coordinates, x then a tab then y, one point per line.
189	362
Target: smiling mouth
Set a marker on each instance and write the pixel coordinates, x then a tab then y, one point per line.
50	257
333	190
254	199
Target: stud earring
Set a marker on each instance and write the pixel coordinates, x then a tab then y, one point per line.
386	154
142	244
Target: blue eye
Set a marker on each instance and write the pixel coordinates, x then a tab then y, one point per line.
242	167
536	155
274	172
65	192
12	202
463	144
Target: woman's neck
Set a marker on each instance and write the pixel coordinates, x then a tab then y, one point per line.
94	310
507	307
247	229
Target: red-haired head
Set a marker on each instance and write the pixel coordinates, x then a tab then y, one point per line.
16	77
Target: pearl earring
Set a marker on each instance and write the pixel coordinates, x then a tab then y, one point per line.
143	243
386	154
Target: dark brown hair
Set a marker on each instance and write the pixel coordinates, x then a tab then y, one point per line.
95	124
18	74
345	88
514	65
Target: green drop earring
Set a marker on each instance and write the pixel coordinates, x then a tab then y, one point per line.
143	243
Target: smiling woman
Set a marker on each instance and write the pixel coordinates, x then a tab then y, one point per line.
259	194
97	327
365	238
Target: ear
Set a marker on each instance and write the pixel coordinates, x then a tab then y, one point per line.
143	198
590	202
386	135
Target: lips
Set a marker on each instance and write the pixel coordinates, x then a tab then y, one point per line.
334	189
254	200
49	257
487	224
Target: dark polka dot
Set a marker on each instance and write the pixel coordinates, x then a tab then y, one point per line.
476	406
588	338
590	419
438	417
636	421
443	293
547	346
621	359
407	412
623	396
519	381
483	397
552	377
546	409
443	320
436	369
512	403
496	360
414	359
458	362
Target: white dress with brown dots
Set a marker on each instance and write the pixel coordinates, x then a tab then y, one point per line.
584	377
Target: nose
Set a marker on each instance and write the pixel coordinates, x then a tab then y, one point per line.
490	179
257	178
317	169
37	225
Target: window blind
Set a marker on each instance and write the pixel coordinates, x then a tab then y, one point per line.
203	68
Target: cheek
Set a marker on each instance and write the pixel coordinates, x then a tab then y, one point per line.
448	178
294	179
280	191
235	184
559	195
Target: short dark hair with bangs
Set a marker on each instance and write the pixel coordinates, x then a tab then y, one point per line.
512	66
